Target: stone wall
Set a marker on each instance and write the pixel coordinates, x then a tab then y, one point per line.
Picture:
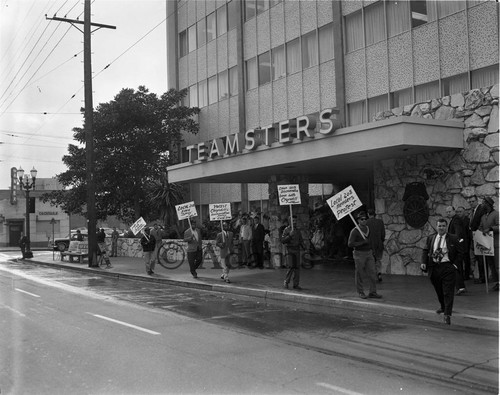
449	176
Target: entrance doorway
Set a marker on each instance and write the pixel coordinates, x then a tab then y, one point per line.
15	230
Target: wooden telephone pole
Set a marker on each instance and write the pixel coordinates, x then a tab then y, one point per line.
89	123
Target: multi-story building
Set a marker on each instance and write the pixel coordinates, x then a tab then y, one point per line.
397	98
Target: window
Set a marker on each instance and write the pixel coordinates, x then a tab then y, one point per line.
309	50
211	27
185	99
192	38
356	113
426	92
212	90
455	84
279	64
293	56
221	21
250	10
223	85
193	96
251	73
202	94
354	31
446	8
262	5
422	12
233	81
202	32
183	44
232	15
398	20
401	98
326	43
374	23
264	68
482	78
376	105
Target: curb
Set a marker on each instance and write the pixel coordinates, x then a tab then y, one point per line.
295	299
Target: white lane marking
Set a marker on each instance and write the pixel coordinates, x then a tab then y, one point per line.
125	324
13	310
27	293
338	389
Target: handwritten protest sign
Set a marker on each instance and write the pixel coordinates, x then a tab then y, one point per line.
483	244
138	226
186	210
219	211
288	194
344	202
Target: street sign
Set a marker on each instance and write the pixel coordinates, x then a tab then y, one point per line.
220	211
288	194
344	202
138	226
186	210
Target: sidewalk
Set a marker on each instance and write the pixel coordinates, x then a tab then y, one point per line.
326	286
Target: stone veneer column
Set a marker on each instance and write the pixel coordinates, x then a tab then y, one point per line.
279	213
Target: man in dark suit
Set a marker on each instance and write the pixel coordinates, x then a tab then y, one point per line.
465	221
476	213
258	235
441	254
456	227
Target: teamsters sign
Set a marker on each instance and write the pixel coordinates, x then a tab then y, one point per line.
283	132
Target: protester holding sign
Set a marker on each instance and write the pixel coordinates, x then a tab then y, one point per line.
224	241
489	222
363	257
148	245
156	234
292	238
194	247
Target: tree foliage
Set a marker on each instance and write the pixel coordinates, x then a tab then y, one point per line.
136	136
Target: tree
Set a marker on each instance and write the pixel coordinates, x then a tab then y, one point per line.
136	136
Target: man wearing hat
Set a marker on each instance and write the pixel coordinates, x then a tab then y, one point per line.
363	257
489	222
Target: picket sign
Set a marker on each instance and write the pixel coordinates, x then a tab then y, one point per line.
138	226
186	211
220	212
289	194
344	203
483	245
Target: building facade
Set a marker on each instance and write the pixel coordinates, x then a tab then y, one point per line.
397	98
46	221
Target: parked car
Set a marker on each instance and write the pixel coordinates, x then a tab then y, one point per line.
62	243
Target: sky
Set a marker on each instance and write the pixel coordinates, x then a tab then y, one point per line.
41	79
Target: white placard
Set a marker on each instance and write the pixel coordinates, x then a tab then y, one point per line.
220	211
288	194
344	202
186	210
483	244
138	226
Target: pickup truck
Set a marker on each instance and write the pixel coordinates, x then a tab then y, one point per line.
62	243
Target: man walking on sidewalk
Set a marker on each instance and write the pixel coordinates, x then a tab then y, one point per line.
224	241
363	257
377	237
442	252
292	238
194	247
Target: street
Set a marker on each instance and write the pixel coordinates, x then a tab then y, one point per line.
70	332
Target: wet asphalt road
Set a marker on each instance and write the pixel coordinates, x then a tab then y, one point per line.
360	337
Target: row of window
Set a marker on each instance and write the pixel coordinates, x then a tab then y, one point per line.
213	89
365	110
294	56
256	7
391	17
207	29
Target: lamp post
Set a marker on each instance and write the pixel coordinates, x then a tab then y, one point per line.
27	183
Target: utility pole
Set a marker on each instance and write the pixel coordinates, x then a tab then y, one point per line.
89	123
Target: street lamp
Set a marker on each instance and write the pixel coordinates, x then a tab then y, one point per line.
27	183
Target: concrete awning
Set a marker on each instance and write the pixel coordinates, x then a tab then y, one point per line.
341	157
